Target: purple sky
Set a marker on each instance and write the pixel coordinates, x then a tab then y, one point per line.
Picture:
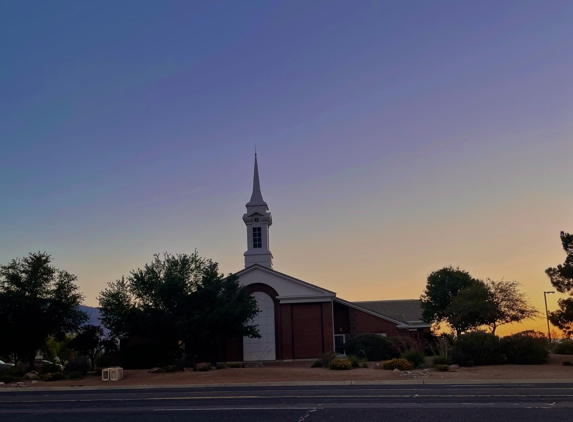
394	138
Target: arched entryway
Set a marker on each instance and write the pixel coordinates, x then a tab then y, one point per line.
264	348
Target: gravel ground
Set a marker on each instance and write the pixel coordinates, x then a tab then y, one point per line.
301	371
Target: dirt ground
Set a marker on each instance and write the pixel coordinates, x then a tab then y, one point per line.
301	371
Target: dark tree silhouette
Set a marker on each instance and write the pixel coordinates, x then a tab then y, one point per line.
562	279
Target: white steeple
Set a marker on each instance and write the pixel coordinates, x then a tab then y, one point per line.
258	219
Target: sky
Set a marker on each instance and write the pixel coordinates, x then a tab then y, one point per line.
394	138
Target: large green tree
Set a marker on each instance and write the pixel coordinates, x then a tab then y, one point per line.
37	300
442	287
178	297
91	341
562	279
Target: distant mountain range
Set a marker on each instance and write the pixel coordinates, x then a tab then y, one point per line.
93	314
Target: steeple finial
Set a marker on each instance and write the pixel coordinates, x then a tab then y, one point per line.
257	196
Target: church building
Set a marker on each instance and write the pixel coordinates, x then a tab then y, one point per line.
297	319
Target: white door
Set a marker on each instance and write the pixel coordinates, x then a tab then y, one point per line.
264	348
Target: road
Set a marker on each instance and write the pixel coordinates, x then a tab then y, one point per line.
427	403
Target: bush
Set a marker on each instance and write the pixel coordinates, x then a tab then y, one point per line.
442	368
327	357
355	361
103	361
170	368
78	365
7	379
340	364
144	356
401	364
317	364
372	346
564	347
49	368
478	347
567	363
53	376
76	375
203	367
414	356
364	365
525	349
442	360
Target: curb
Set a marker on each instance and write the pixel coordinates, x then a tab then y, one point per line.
294	384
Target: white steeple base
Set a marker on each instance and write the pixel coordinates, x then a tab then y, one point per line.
261	257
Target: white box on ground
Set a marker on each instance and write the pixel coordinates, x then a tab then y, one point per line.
112	374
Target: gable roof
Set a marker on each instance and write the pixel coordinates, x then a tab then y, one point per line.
407	311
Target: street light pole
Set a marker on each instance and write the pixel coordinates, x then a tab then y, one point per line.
547	314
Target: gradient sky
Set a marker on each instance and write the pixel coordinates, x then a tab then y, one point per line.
394	138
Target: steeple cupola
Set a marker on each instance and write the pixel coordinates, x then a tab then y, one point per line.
258	219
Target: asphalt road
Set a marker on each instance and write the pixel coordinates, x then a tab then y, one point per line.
427	403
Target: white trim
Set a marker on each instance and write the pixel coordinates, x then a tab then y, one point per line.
303	299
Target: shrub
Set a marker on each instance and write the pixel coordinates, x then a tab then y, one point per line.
103	361
327	357
442	360
340	364
170	368
372	346
442	368
203	367
53	376
9	378
564	347
567	363
78	365
144	356
317	364
49	368
478	347
76	375
401	364
402	344
414	356
364	365
355	361
525	349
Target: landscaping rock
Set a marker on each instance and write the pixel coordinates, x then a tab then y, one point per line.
34	382
397	371
456	366
377	366
155	370
20	384
32	375
1	384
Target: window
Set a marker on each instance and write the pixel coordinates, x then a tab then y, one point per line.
339	341
257	238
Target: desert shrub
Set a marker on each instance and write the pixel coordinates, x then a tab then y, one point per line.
355	360
372	346
478	347
567	363
416	357
170	368
7	379
564	347
363	365
144	356
235	365
327	357
53	376
525	348
78	365
103	361
402	344
401	364
442	368
339	364
442	360
203	367
49	368
317	364
76	375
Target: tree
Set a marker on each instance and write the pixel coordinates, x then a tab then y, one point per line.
91	341
221	309
54	349
441	289
510	305
179	297
37	301
471	308
562	279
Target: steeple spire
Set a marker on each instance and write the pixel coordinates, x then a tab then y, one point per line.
256	196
